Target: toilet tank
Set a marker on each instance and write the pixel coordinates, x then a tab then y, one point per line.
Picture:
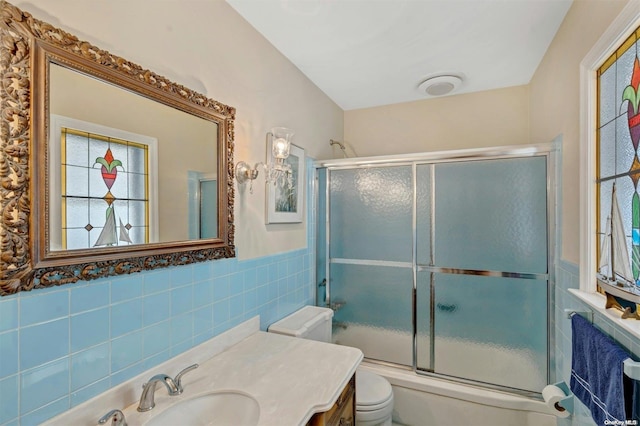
310	322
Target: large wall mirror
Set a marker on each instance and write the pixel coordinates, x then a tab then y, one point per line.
106	168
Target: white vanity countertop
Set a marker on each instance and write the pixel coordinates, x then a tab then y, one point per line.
290	378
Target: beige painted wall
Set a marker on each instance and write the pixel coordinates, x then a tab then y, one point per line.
211	49
490	118
555	101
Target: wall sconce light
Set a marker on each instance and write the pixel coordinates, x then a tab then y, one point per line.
276	170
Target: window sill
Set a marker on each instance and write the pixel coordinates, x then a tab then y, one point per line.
597	301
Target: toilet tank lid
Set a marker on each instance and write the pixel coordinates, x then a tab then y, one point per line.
300	322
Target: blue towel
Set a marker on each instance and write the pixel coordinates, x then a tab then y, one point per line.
597	376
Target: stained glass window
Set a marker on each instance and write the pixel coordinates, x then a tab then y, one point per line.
618	165
104	191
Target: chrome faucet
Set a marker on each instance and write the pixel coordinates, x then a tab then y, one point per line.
116	416
174	386
149	389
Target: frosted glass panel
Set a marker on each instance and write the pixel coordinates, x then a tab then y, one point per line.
370	210
605	204
607	150
486	215
137	186
77	238
492	215
137	159
491	329
423	320
374	311
423	210
609	103
76	177
77	150
625	151
77	212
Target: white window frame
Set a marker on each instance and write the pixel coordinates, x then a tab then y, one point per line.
57	122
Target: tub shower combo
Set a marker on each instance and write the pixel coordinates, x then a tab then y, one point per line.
440	264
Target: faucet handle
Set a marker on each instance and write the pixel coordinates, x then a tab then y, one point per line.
116	416
178	379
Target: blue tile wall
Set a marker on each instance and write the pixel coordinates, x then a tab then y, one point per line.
62	346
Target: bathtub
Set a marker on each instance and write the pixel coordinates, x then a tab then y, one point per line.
515	367
424	401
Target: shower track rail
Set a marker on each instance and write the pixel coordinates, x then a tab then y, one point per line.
509	151
439	269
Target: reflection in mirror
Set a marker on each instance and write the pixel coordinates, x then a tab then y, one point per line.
203	194
107	168
102	186
126	174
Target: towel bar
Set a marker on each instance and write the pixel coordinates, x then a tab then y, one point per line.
632	369
587	314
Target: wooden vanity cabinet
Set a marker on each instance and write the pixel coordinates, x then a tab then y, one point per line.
343	412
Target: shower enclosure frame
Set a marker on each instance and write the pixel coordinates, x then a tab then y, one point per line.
548	150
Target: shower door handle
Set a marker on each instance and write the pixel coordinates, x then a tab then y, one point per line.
449	308
323	283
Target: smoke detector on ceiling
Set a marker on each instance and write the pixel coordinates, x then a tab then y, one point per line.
440	85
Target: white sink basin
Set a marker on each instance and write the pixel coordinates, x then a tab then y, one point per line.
224	408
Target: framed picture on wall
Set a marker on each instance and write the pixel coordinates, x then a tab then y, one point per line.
286	204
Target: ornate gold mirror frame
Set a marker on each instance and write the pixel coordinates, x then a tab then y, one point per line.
26	47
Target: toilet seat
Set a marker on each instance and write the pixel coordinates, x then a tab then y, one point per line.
373	392
378	407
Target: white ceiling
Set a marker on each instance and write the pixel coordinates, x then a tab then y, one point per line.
365	53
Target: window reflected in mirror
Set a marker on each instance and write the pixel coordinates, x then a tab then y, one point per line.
104	191
137	166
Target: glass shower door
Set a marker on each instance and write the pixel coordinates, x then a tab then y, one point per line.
370	265
484	270
442	266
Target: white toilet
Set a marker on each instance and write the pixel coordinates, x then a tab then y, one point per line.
374	396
